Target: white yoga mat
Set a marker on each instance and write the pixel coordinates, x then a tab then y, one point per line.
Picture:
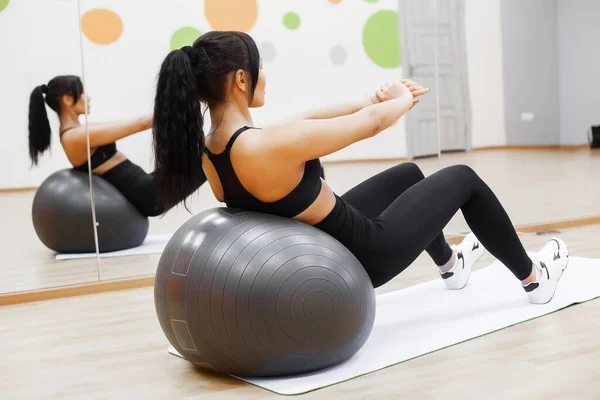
154	244
428	317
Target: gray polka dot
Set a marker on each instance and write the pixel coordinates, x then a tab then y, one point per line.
337	54
268	51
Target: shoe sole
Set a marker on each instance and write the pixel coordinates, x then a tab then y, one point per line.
469	275
558	280
560	243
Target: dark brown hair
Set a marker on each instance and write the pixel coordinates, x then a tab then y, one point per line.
40	136
187	77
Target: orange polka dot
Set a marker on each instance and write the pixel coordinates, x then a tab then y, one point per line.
231	15
335	1
101	26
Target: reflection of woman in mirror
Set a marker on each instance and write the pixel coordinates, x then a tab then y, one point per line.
65	95
387	221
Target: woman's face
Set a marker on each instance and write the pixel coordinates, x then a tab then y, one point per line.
259	92
80	105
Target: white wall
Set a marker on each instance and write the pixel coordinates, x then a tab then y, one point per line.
484	64
121	76
579	61
530	57
40	39
577	77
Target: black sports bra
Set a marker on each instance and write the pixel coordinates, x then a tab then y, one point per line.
236	196
100	156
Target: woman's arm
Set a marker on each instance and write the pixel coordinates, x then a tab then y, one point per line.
351	107
105	133
339	110
309	139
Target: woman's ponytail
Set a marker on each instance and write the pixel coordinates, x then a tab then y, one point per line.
39	126
178	137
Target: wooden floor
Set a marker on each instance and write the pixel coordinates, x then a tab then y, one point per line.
110	346
26	263
534	186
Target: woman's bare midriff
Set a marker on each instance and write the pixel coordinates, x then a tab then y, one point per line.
320	208
109	164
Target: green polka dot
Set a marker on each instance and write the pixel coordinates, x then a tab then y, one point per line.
3	4
184	37
381	39
291	20
371	1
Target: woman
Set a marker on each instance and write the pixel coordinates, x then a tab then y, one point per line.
386	221
65	95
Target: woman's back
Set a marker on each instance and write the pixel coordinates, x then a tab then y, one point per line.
246	178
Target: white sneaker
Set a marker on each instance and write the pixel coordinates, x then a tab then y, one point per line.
550	263
467	254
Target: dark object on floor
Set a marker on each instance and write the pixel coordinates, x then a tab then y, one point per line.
594	136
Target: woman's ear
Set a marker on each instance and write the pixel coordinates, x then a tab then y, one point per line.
67	100
240	80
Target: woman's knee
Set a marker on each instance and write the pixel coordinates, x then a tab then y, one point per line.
155	212
412	170
148	210
463	172
465	177
149	205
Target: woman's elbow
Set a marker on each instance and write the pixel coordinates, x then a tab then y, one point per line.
373	123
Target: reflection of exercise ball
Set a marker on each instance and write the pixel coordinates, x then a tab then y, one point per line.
62	215
252	294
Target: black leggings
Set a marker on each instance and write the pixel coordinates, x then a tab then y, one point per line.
139	187
388	220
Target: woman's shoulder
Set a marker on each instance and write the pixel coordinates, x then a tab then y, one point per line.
73	128
70	137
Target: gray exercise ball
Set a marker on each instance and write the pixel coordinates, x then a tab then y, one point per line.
62	215
256	295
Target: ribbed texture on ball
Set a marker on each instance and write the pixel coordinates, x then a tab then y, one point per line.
250	294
